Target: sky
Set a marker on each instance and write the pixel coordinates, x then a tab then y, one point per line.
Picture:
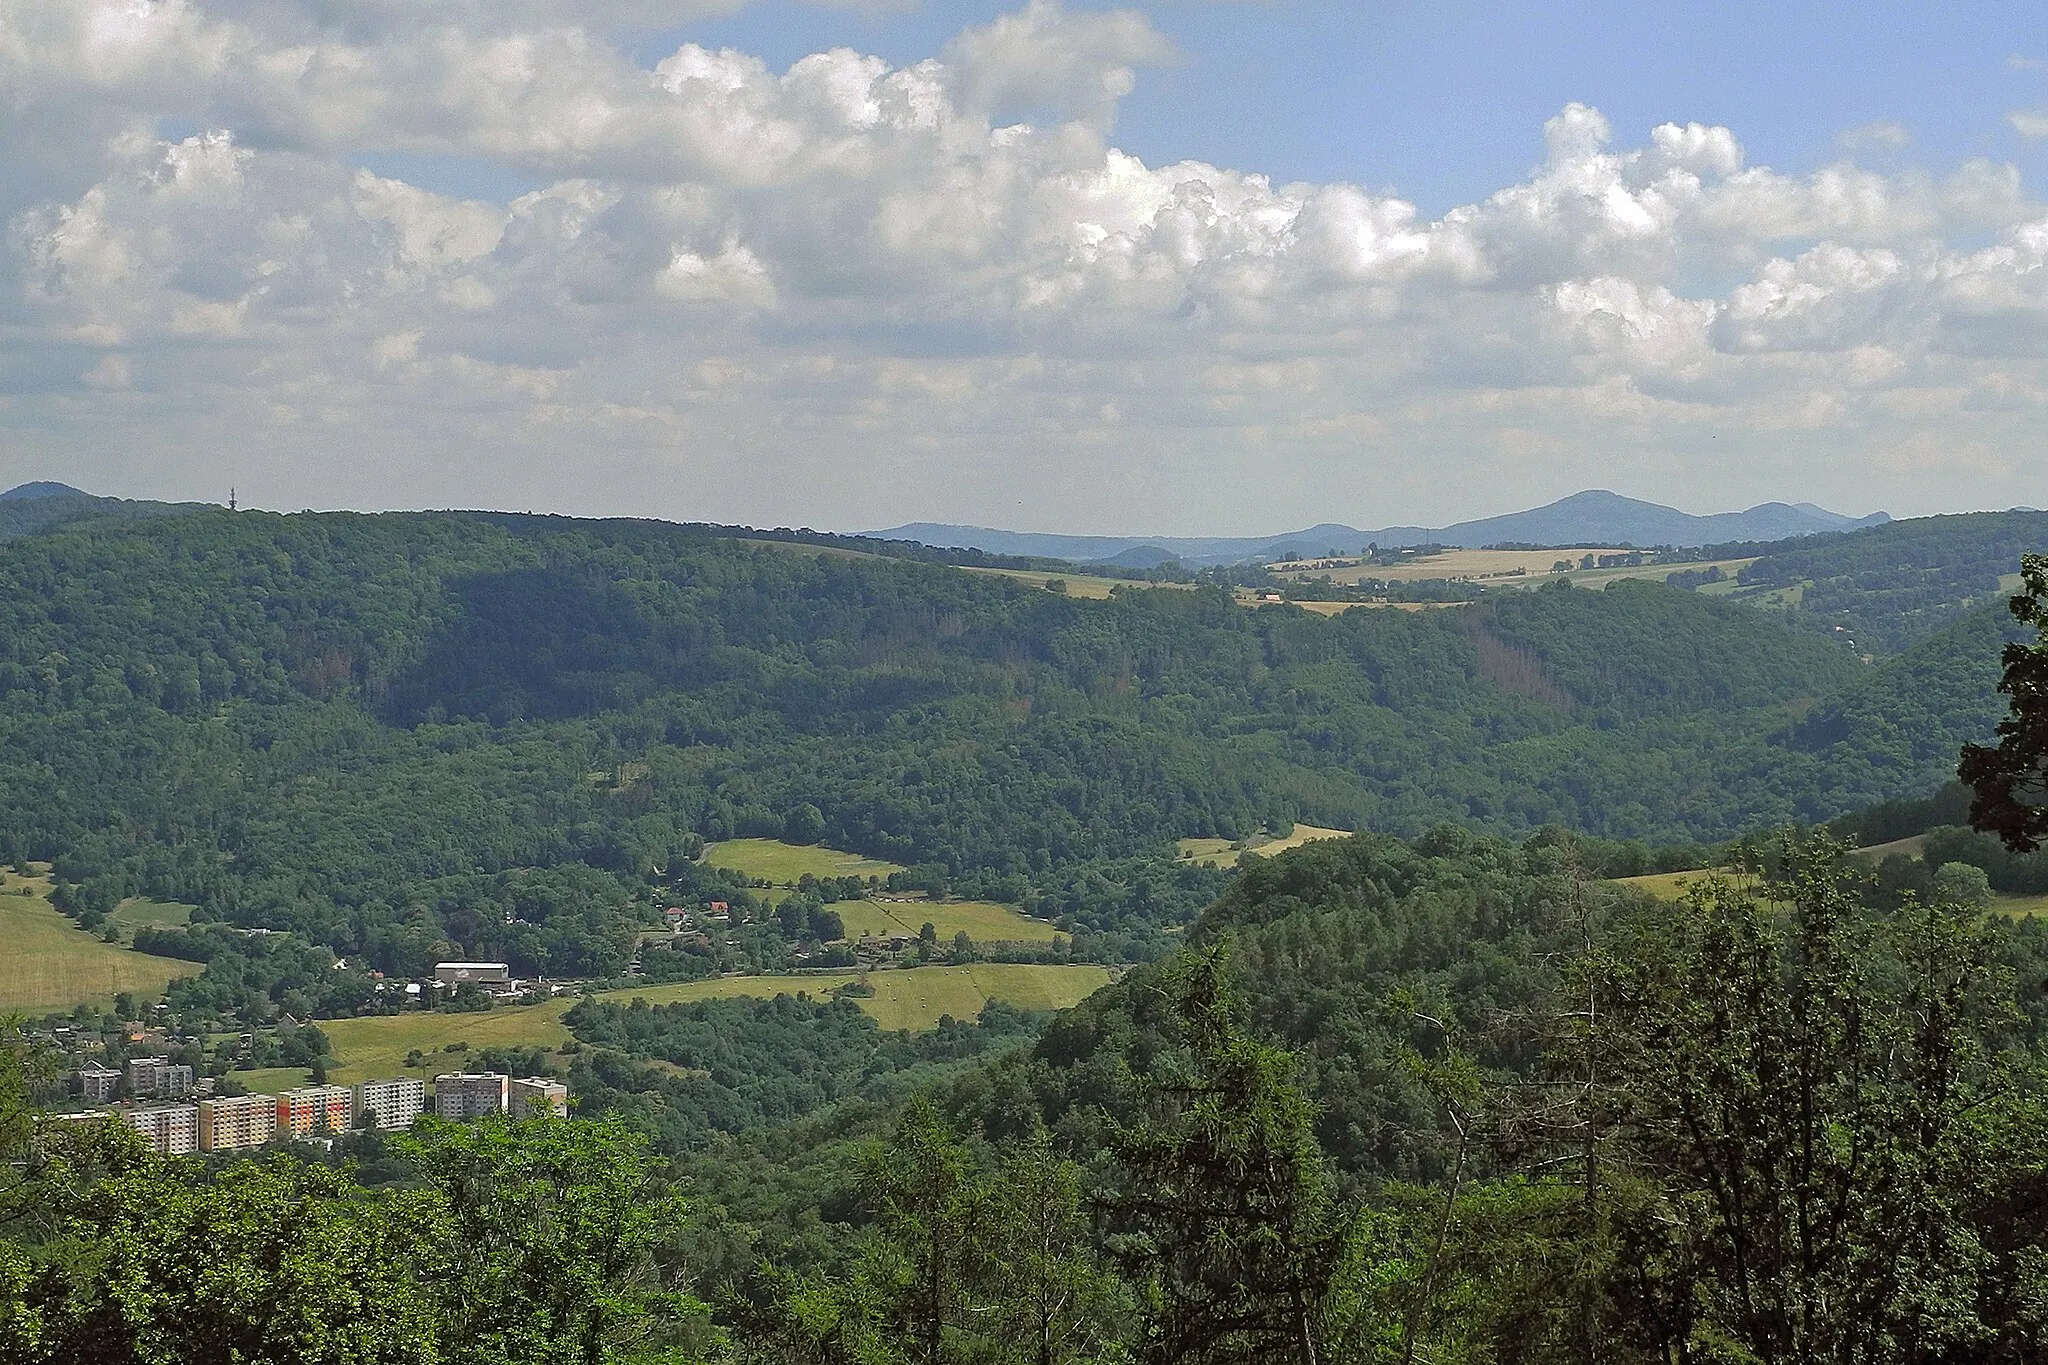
1192	266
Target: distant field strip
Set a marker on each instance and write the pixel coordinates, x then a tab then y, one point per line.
1078	585
911	999
984	921
785	864
1224	853
376	1046
51	964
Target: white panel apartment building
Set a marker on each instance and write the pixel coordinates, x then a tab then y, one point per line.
158	1076
459	1095
171	1129
392	1105
98	1084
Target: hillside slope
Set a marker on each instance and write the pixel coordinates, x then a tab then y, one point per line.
375	728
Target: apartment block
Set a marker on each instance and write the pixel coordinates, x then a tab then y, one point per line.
536	1096
158	1076
242	1121
460	1095
392	1105
98	1083
171	1129
316	1110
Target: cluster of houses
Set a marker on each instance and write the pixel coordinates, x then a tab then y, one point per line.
190	1122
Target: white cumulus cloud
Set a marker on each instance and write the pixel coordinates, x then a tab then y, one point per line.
848	292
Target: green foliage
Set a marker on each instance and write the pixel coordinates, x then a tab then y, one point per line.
547	1231
1228	1219
1891	586
2010	779
520	1244
273	1261
738	1065
959	1264
405	737
1822	1103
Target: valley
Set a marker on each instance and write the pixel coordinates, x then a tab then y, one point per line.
798	866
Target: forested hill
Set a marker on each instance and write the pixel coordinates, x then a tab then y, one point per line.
1889	586
360	726
33	507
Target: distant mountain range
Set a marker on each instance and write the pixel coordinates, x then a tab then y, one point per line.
1592	518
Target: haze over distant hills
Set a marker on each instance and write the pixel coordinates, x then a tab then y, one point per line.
1594	517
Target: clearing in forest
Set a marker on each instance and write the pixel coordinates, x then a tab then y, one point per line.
51	964
772	860
140	912
1226	852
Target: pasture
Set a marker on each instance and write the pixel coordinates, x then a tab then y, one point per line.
1226	852
983	921
51	964
772	860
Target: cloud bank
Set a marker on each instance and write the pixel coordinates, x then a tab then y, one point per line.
846	293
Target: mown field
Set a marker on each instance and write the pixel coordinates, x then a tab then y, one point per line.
984	921
139	912
1225	852
374	1047
914	999
50	964
772	860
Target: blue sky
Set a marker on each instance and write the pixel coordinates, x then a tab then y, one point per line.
1180	267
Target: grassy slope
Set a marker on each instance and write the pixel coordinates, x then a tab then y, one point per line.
376	1046
984	921
774	861
51	964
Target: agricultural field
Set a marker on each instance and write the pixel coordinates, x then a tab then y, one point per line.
1496	568
51	964
2019	907
984	921
772	860
1226	852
